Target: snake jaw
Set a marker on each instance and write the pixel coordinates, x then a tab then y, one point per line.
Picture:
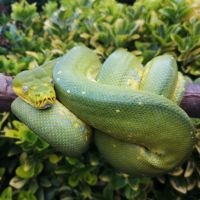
45	103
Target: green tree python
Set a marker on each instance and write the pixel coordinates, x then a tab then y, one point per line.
139	127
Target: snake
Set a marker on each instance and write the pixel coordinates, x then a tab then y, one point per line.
130	111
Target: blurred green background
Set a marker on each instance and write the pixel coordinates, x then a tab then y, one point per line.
32	32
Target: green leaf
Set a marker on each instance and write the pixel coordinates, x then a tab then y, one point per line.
179	184
130	193
91	179
41	144
94	161
45	182
119	182
54	159
23	11
179	41
49	8
6	194
86	192
196	30
2	172
73	180
108	192
25	171
26	195
4	117
62	170
72	161
17	182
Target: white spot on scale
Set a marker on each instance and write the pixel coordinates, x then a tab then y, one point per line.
140	103
68	91
117	111
58	79
137	158
83	92
59	72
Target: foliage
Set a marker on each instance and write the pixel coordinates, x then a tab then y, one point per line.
37	172
29	167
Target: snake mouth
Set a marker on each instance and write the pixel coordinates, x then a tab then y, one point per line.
47	102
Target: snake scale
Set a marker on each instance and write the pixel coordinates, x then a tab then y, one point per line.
138	126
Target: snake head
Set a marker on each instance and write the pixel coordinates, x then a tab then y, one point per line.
35	87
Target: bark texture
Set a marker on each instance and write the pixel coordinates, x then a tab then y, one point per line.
6	93
190	102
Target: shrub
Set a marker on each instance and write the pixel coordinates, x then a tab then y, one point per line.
29	167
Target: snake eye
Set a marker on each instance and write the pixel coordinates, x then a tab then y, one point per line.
25	88
52	81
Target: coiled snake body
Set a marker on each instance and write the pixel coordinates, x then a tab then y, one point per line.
139	128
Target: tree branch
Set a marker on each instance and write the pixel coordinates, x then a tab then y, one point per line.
190	102
6	93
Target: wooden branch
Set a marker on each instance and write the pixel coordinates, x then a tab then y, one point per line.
190	102
6	93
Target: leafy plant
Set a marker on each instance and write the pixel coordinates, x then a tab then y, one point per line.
29	167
